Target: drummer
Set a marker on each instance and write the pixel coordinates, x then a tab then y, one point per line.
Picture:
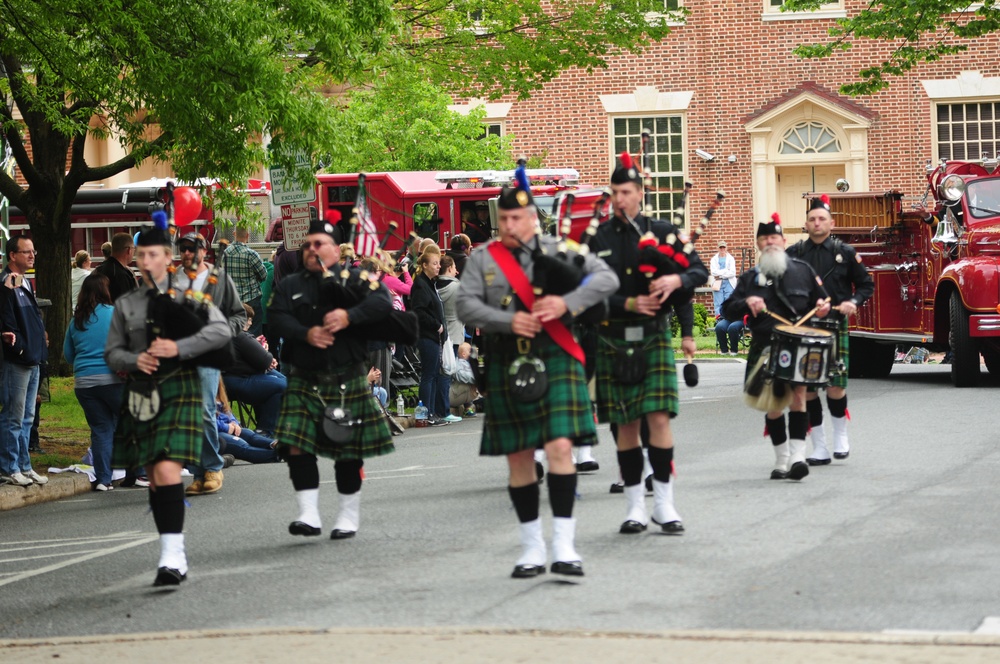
850	286
789	288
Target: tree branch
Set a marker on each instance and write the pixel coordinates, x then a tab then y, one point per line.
10	129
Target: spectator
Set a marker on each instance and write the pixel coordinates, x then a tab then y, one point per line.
463	382
286	262
447	287
246	269
728	334
121	280
399	284
380	352
478	229
265	297
24	352
97	388
81	268
255	380
461	246
106	251
239	442
426	304
723	271
374	382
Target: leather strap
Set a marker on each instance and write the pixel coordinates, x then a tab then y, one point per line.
518	281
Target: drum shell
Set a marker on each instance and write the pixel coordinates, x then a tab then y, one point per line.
801	356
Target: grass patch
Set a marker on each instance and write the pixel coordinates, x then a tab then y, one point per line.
62	430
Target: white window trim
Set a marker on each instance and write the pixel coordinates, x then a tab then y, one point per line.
682	112
966	86
827	12
495	112
646	100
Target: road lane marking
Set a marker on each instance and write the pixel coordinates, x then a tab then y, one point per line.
20	576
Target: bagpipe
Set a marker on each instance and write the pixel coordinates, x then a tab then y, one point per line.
558	273
349	288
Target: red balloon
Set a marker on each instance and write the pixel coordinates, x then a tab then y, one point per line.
187	205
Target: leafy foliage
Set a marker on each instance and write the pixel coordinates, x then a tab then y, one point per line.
922	31
404	124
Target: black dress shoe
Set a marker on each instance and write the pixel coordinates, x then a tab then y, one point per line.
527	571
671	527
342	534
571	568
798	470
778	474
587	466
300	528
617	487
168	576
841	455
817	462
631	527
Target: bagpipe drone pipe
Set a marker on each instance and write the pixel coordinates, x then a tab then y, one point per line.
350	288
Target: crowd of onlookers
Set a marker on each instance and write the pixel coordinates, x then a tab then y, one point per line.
421	278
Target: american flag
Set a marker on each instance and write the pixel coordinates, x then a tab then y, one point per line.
366	241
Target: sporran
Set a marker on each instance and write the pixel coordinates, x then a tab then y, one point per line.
527	379
143	399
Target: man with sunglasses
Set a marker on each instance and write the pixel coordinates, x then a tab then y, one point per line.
206	280
24	352
326	367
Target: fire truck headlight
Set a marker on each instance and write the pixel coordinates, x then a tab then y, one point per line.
952	188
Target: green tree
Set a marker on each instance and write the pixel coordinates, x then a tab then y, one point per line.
921	30
199	84
404	124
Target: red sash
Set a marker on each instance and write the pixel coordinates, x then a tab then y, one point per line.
518	281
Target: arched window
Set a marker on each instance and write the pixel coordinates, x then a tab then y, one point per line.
809	138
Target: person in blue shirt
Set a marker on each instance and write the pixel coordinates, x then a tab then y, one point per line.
97	387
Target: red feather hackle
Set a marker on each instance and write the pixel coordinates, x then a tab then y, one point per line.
626	160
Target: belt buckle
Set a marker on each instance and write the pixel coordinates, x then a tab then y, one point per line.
523	345
634	333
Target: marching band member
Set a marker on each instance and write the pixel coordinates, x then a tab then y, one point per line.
847	281
636	377
162	433
790	288
536	389
326	372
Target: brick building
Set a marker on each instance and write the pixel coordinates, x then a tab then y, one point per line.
726	83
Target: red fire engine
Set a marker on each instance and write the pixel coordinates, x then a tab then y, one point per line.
935	266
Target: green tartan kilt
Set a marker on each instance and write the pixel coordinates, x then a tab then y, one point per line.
175	434
302	405
564	411
839	378
657	393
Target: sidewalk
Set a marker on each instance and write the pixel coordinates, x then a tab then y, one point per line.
62	485
471	645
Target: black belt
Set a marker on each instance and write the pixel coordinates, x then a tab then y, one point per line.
327	377
620	329
510	344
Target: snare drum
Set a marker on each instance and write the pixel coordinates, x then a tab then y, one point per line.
832	325
801	355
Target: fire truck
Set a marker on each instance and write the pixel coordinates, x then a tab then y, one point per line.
440	205
935	267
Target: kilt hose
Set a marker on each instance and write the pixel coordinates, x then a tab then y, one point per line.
175	433
564	411
302	411
621	404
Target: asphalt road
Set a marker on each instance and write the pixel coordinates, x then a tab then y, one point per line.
901	536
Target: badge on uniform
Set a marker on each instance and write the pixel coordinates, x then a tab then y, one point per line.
839	258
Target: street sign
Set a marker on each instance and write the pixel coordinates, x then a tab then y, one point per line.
286	191
295	224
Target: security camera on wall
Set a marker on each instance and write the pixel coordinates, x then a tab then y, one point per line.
707	156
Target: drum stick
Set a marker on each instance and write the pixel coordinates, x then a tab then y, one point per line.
808	315
780	318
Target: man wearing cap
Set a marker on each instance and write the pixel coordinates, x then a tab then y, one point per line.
327	378
478	230
121	280
723	270
163	434
636	376
847	281
208	281
789	288
536	393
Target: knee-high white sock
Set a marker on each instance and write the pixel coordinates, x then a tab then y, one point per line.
840	443
172	552
308	500
818	436
663	502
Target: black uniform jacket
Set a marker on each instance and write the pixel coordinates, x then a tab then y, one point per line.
789	296
295	308
839	266
617	243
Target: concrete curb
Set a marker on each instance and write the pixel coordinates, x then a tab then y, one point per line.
62	485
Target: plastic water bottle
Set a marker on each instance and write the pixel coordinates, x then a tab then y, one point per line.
400	406
420	414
